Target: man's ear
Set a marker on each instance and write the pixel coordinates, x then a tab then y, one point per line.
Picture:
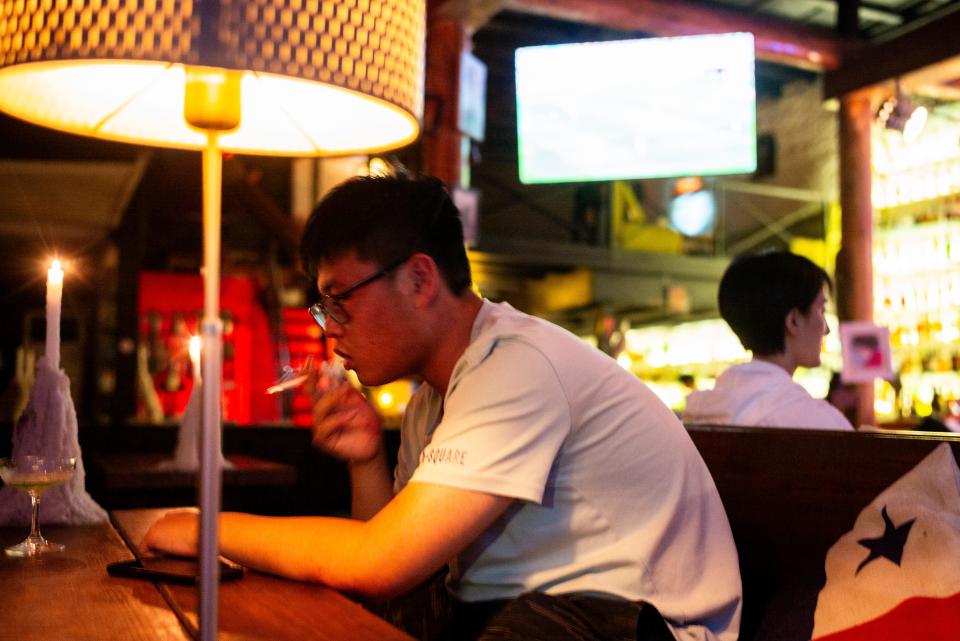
424	278
792	322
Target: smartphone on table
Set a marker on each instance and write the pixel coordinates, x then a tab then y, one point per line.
171	569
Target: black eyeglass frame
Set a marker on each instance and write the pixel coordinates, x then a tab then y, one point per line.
329	304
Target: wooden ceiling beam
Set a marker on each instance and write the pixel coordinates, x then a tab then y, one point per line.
776	40
929	44
471	13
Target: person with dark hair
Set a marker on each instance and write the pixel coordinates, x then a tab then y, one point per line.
774	302
565	499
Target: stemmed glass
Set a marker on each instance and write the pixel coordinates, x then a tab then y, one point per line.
35	475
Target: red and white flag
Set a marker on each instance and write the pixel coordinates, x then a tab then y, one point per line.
896	575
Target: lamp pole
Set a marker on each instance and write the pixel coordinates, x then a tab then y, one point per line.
212	365
211	104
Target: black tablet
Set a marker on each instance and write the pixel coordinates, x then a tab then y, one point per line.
171	570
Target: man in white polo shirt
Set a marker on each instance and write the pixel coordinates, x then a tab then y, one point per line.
774	302
567	501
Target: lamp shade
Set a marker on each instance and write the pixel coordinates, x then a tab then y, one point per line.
312	77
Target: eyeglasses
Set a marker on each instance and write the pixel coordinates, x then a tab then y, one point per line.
329	305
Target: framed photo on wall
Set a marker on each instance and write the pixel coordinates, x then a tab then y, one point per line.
865	348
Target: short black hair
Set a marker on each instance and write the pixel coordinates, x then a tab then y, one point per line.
757	291
385	219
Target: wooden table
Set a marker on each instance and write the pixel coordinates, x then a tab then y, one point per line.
155	471
260	607
70	596
149	480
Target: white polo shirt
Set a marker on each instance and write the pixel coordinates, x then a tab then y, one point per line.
612	496
762	394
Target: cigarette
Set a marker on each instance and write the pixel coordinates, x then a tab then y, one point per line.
331	370
296	381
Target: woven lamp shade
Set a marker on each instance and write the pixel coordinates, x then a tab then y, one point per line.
313	77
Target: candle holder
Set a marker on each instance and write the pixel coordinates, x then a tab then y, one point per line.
47	431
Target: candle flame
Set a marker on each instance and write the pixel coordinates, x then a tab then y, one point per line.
194	348
55	273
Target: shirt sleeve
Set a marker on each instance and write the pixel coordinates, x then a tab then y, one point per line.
823	415
812	413
503	424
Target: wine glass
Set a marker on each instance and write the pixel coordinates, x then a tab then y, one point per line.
35	475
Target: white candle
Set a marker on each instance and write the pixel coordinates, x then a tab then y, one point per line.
54	297
194	348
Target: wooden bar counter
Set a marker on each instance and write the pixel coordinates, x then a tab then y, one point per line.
69	595
260	607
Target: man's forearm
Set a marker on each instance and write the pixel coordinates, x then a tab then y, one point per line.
371	486
377	557
319	549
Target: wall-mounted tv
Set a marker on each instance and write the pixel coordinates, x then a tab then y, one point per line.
647	108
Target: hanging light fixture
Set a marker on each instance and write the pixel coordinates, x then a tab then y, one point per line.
899	113
272	77
276	77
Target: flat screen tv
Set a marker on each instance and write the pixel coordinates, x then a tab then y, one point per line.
648	108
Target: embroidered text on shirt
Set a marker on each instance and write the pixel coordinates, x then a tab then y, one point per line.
443	455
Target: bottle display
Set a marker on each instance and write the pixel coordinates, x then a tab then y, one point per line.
916	249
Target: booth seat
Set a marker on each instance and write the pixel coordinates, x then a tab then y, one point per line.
790	494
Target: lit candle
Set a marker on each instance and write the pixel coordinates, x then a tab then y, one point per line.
54	297
194	348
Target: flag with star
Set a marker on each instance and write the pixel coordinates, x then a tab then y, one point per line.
896	575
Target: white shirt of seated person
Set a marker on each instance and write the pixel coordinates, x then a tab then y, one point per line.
763	393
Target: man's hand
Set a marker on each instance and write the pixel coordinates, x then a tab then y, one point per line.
175	532
345	425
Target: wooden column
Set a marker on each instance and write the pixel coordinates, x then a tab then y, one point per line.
855	262
442	141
